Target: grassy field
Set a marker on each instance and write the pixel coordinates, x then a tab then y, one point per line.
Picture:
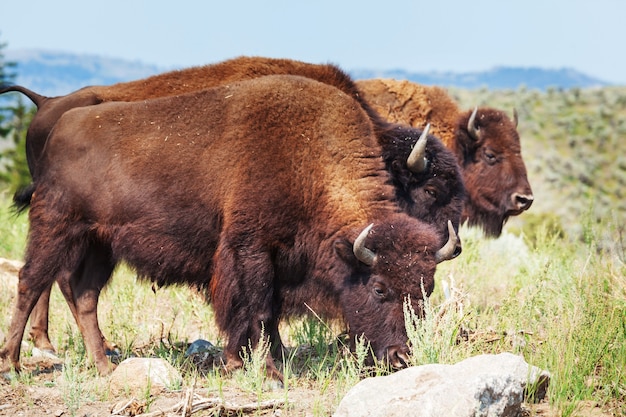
552	288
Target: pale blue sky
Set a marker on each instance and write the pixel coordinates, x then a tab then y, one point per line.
439	35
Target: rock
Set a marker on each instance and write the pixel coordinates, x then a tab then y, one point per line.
45	354
9	271
136	376
484	385
199	346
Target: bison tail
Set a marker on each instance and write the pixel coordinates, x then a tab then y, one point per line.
22	198
37	99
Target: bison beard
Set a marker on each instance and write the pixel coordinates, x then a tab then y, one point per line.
255	190
434	193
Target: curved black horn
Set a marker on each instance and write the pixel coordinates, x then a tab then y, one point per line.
362	253
515	117
471	125
447	251
417	162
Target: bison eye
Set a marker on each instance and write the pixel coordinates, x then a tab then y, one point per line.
431	192
380	290
490	157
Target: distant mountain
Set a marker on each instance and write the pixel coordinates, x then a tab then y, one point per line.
500	78
54	73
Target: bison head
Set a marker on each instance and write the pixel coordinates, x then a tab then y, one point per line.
494	173
390	263
426	177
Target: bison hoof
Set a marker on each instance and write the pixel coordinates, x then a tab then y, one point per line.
106	369
9	373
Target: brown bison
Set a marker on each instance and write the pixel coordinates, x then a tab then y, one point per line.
485	142
429	188
261	191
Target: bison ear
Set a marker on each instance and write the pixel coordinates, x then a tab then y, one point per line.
343	248
397	167
400	173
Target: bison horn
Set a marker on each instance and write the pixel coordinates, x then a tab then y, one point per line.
515	118
471	125
417	162
447	251
362	253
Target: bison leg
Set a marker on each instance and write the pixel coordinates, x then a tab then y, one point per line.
242	293
82	292
56	251
39	323
51	254
28	292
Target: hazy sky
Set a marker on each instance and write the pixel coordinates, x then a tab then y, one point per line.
457	36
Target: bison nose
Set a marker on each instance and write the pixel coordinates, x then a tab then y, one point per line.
522	202
398	356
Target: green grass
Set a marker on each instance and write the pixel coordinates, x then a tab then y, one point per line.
561	305
552	288
13	228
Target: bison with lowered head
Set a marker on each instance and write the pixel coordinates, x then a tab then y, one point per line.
428	187
485	142
261	191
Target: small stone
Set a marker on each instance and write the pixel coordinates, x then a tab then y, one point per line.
47	354
137	376
199	346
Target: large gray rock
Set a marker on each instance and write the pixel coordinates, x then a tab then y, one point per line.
485	385
138	375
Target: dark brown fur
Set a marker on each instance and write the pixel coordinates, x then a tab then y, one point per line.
493	169
255	190
435	195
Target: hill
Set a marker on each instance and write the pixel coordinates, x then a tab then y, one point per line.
500	78
55	73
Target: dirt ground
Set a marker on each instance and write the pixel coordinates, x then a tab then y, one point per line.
42	396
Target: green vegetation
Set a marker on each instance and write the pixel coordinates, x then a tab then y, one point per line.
15	117
552	288
572	142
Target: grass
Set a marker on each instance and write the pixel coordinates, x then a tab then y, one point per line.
560	305
13	228
552	288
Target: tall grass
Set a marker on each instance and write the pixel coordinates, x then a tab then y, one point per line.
13	228
561	305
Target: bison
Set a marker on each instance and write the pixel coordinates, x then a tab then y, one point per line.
269	192
485	142
432	191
